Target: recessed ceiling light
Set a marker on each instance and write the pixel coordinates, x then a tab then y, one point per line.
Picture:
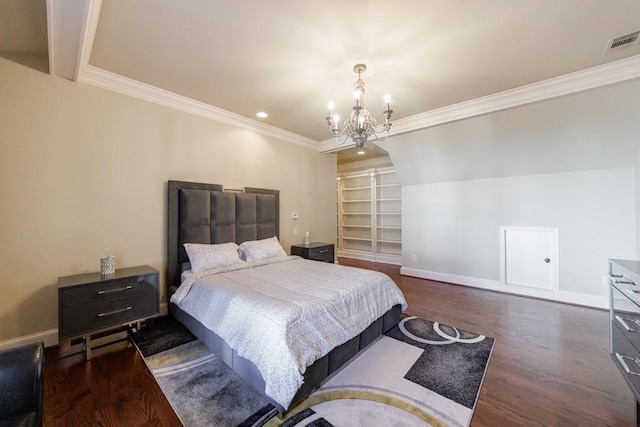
361	152
262	115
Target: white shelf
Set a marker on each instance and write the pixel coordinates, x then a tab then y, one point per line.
383	192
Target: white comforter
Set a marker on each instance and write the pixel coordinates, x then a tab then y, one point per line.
284	313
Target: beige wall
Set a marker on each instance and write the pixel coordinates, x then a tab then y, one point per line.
82	168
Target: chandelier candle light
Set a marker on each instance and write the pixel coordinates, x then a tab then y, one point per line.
360	125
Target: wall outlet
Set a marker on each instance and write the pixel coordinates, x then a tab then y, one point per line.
414	258
295	231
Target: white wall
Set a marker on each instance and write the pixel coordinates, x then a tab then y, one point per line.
568	162
82	168
454	225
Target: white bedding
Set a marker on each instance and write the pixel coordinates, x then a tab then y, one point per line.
284	313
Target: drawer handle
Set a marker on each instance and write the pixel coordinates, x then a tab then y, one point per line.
110	291
626	282
323	251
625	325
617	275
622	359
111	313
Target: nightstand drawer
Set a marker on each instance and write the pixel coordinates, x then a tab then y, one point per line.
316	251
91	304
322	253
79	319
102	291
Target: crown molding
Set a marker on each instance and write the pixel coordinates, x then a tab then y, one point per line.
95	76
117	83
591	78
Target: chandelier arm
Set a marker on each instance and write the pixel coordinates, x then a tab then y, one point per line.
383	129
338	141
381	138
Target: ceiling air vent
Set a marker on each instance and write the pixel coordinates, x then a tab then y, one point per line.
622	42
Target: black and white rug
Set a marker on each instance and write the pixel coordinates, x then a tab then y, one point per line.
420	373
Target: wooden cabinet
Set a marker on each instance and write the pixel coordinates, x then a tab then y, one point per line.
315	251
624	303
369	216
89	304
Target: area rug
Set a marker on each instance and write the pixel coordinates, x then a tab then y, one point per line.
420	373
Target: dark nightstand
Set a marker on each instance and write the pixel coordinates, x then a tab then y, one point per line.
90	305
315	251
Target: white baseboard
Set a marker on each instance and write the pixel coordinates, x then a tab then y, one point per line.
588	300
50	337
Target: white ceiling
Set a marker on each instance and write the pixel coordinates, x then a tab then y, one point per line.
231	59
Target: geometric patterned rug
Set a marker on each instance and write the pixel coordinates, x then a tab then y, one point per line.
420	373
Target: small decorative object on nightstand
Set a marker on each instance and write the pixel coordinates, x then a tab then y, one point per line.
315	251
91	305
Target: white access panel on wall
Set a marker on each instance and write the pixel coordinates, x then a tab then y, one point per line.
529	257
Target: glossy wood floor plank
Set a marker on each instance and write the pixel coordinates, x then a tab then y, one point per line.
550	365
113	389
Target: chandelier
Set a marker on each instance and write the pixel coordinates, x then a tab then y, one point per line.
360	125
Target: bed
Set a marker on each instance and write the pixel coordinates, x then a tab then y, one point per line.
203	298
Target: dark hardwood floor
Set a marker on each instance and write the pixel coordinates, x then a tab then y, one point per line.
550	365
113	389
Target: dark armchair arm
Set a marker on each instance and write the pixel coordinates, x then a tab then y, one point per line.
21	385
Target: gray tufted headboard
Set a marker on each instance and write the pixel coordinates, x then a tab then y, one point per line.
204	213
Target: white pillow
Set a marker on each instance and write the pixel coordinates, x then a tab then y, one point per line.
212	256
256	250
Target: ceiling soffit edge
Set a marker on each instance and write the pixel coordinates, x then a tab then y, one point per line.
49	8
88	34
